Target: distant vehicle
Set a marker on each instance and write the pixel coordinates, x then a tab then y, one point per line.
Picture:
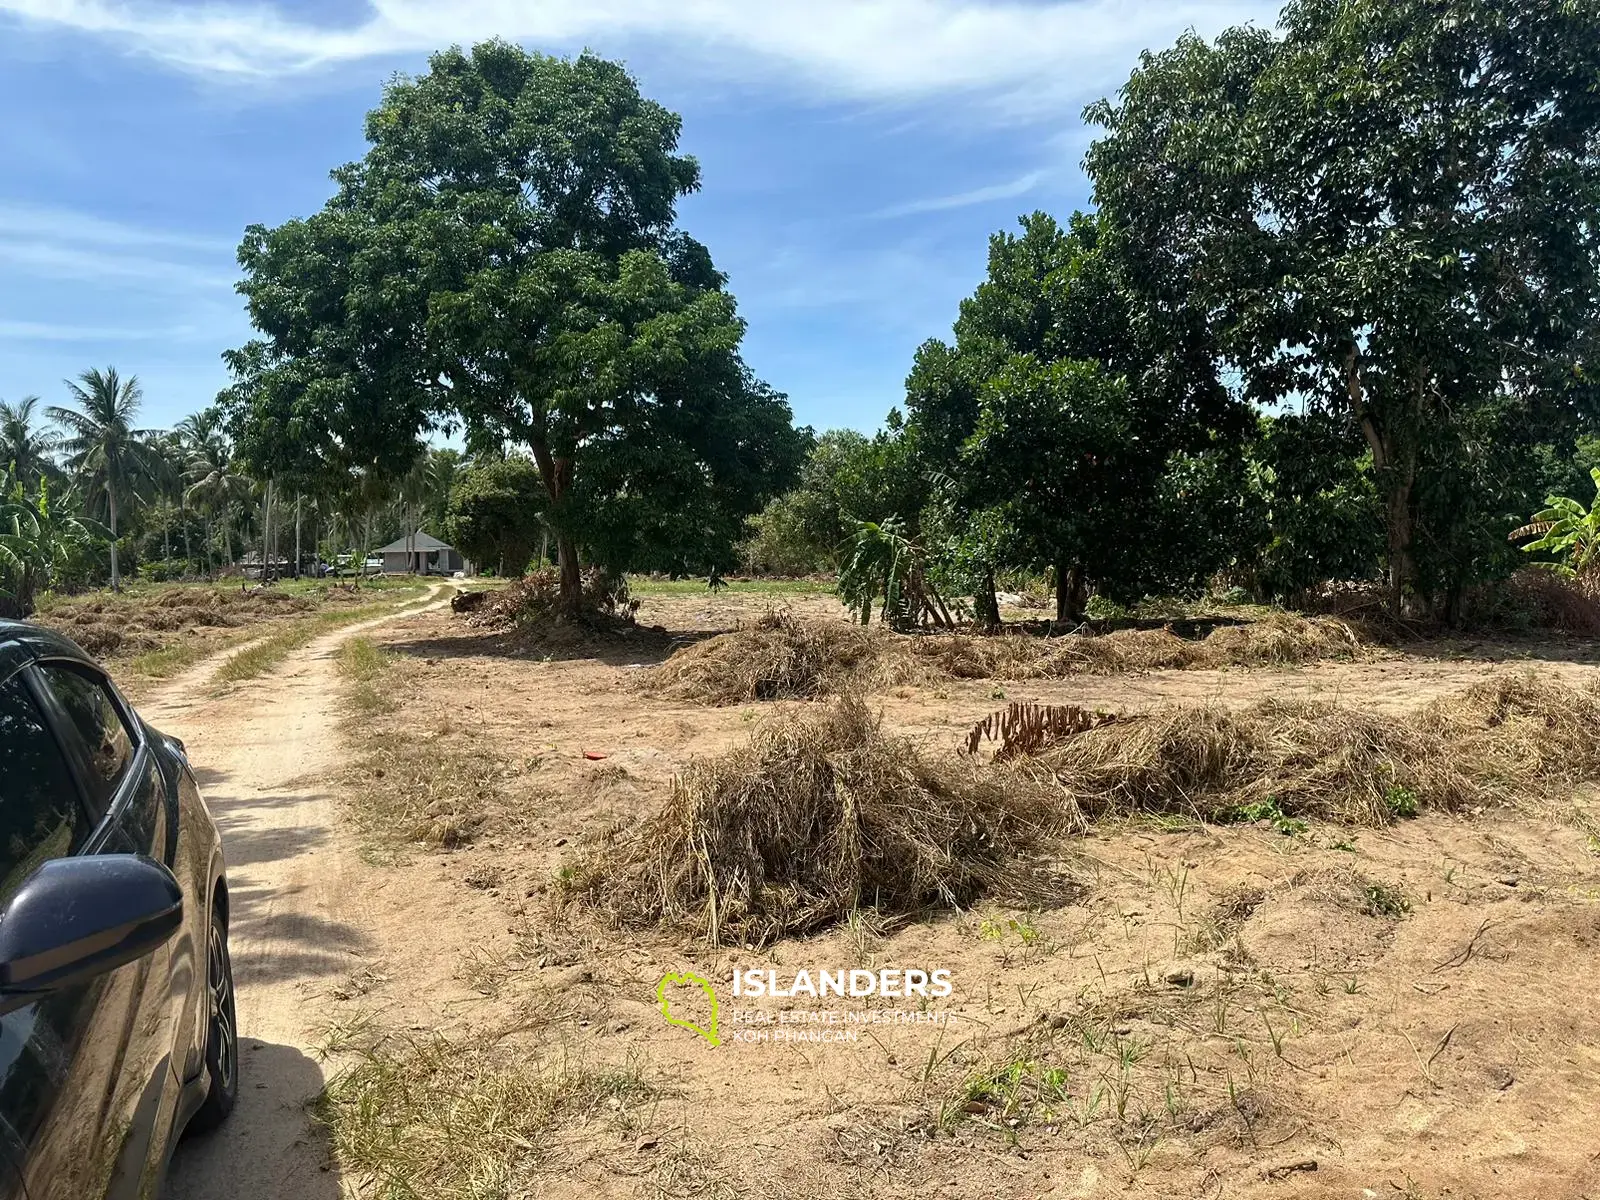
116	990
345	565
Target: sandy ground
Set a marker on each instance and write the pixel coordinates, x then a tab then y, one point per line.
266	757
1222	1013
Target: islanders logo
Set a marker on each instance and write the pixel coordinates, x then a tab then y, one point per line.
664	998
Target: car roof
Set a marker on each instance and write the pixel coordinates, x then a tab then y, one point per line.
23	641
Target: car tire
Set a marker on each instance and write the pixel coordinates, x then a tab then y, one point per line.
222	1032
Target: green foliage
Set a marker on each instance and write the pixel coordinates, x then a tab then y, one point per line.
878	566
1320	514
1270	811
103	448
495	514
1401	802
40	539
505	257
1053	422
846	478
882	563
1567	531
1384	209
25	448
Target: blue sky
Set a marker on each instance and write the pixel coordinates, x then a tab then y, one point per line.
856	154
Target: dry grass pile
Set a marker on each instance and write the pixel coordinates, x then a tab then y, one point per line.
532	605
784	657
819	814
1496	742
136	623
1547	601
780	657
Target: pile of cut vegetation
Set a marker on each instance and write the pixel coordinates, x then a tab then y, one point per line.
532	606
783	657
819	814
133	622
1279	639
1497	742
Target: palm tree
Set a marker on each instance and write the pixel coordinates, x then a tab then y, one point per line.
165	461
102	445
214	484
24	448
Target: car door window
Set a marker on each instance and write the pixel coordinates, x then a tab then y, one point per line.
40	814
98	718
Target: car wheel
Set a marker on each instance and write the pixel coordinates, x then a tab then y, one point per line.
222	1032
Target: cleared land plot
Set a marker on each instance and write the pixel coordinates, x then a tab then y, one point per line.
1275	1005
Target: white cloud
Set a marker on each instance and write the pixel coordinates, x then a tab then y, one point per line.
983	195
41	331
1042	54
53	244
64	225
56	261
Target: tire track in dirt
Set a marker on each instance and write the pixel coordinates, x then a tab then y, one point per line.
267	756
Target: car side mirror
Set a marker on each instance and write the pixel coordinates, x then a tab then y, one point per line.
76	918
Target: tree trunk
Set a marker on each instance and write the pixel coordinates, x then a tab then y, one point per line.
988	606
571	574
111	501
1394	462
1069	594
297	535
556	473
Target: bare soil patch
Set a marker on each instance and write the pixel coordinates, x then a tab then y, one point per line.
1285	1005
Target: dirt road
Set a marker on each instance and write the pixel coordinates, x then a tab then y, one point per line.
266	756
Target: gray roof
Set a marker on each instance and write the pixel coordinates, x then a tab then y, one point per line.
421	543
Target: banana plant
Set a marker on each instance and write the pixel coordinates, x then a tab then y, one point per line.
1568	531
38	536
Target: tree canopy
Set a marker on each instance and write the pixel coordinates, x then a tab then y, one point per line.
1385	209
505	259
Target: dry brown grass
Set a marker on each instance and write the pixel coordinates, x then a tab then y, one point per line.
780	657
819	814
784	657
426	1117
1497	742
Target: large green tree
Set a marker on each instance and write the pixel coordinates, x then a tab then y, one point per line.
1386	208
506	258
1049	425
102	445
494	515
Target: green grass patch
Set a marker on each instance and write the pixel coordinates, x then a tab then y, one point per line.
261	657
366	667
181	655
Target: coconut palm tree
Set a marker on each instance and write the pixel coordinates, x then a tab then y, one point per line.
103	448
25	448
215	484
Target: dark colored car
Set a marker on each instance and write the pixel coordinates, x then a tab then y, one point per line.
117	1026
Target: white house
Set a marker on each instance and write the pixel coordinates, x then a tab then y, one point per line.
420	554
